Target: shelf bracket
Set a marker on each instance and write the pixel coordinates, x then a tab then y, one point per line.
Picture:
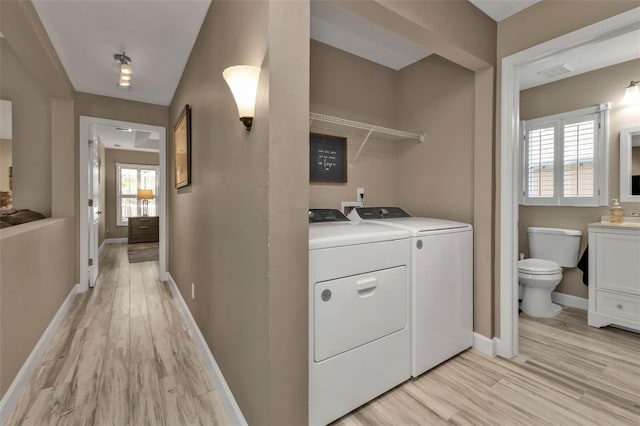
364	142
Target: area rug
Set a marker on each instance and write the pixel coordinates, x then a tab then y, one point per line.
142	252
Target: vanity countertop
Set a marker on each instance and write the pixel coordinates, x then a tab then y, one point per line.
629	223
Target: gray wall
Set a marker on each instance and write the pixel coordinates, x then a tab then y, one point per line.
239	231
110	206
607	84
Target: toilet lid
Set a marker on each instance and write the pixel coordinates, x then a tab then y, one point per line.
538	266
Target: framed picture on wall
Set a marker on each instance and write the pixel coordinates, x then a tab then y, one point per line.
327	158
182	148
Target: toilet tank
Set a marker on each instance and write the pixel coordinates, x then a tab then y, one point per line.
560	245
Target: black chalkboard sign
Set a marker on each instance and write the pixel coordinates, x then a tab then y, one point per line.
327	158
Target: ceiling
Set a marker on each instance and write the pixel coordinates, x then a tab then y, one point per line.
157	35
128	138
337	27
588	57
501	9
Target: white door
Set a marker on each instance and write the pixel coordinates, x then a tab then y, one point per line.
93	210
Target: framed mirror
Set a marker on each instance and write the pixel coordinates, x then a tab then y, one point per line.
630	164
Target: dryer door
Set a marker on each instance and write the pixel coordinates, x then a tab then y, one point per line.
353	311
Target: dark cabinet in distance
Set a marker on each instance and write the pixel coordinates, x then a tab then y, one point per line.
143	229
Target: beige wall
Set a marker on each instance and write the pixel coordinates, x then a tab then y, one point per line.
239	231
5	163
63	143
530	27
635	161
578	92
110	209
32	77
347	86
435	178
31	133
36	275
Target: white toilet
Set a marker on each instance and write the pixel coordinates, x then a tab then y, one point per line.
551	249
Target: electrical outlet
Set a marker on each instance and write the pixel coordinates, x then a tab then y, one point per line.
193	291
360	195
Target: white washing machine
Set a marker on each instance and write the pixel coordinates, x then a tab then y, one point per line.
441	283
359	334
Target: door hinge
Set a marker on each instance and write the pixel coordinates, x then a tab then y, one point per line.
90	262
90	202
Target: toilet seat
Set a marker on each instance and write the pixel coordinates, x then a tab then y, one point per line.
538	267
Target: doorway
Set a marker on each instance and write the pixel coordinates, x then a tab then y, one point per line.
510	159
89	211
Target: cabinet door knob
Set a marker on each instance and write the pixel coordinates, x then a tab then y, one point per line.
619	307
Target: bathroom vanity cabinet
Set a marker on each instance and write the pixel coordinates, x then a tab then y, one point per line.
614	274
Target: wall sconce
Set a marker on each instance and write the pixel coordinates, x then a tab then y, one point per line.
243	82
145	195
632	94
125	70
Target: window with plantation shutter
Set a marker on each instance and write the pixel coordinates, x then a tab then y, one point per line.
564	158
130	178
540	161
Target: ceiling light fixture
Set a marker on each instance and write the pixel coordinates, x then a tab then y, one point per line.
632	94
125	70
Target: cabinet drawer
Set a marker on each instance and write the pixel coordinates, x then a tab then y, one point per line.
143	230
143	221
618	305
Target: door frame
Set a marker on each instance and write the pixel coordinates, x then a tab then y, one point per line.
86	127
510	165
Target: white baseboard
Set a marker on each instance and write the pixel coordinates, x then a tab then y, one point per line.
8	402
229	402
485	345
568	300
101	246
115	240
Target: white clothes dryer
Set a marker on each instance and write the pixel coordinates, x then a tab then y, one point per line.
441	283
359	334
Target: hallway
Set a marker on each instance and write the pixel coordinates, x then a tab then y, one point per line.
122	356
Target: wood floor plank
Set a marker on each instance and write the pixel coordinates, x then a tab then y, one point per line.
81	416
40	413
113	396
146	399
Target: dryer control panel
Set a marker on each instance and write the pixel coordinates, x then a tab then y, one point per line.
326	215
381	212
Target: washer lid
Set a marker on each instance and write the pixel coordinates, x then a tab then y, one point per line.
538	266
336	234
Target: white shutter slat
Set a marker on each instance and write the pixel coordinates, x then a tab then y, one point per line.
540	164
579	147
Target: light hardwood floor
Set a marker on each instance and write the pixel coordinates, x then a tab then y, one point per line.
123	356
566	374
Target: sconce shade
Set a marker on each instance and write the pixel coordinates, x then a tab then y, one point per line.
145	194
243	82
632	94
